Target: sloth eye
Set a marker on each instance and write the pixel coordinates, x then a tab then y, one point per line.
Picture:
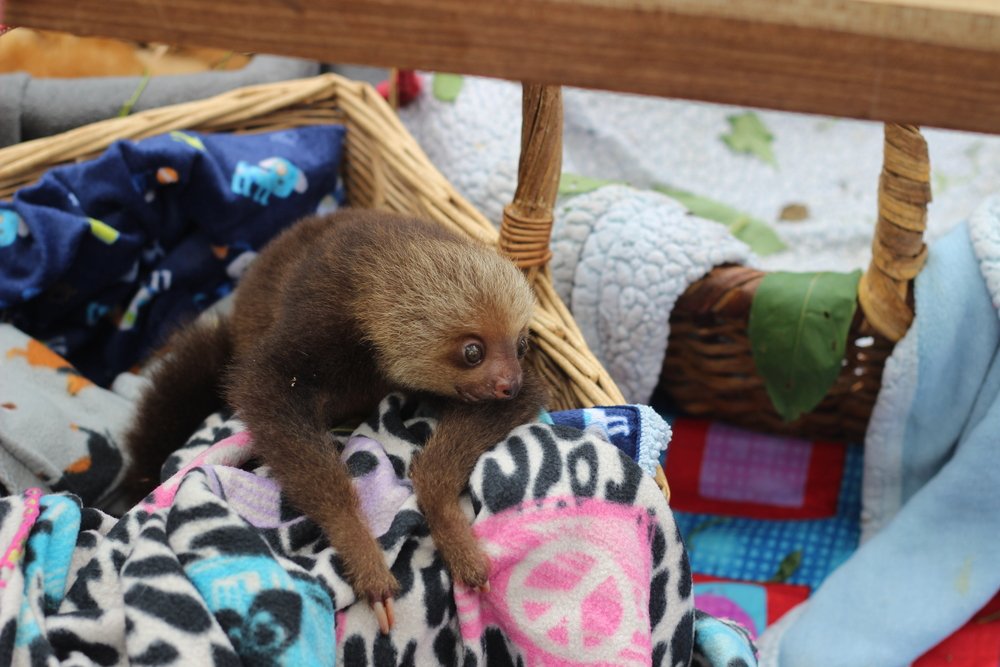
473	354
522	347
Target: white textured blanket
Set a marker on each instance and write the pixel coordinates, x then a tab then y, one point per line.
829	166
622	257
822	172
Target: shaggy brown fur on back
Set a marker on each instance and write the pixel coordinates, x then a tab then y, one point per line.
337	311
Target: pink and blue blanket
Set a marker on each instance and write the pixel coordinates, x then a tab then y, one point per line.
214	567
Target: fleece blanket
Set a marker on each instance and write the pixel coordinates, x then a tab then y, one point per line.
932	477
100	259
621	259
755	507
588	567
813	180
35	107
58	430
767	519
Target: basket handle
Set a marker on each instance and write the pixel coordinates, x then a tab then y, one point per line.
526	227
898	249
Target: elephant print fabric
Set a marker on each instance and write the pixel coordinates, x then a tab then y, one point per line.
100	260
588	566
273	176
11	227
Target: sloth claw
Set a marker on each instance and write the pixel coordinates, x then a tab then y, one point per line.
384	613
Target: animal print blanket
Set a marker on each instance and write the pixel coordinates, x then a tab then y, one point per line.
212	568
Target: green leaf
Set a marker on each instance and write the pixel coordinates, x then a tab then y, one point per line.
798	333
788	566
574	184
748	134
754	232
446	87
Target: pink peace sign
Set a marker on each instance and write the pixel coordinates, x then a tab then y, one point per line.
570	583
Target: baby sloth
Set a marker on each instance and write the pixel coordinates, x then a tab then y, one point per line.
336	312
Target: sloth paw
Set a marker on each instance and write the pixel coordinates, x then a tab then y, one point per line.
468	565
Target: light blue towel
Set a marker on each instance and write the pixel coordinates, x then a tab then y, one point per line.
932	478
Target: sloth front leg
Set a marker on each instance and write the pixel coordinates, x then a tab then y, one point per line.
442	469
287	417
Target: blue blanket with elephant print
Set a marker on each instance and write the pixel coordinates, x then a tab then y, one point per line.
99	260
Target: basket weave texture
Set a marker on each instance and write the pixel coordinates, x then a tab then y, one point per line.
709	368
383	168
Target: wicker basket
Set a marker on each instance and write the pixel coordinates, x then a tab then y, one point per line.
709	369
383	168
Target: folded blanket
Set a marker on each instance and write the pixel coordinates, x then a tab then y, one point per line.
720	641
931	558
588	567
637	430
622	257
36	107
100	259
57	428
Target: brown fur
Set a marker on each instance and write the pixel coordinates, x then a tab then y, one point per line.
187	387
333	314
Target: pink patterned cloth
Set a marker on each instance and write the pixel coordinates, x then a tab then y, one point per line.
587	564
570	582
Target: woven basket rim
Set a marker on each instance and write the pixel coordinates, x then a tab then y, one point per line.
567	359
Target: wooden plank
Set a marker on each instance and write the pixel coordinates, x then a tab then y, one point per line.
963	23
929	62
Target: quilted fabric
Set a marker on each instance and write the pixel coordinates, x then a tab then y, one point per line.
622	257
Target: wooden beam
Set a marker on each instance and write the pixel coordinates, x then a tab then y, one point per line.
928	62
962	23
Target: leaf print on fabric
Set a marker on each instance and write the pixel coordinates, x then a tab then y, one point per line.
446	87
748	134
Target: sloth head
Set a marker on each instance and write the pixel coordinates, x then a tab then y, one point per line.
454	323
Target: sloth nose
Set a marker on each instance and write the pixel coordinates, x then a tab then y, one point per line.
506	388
